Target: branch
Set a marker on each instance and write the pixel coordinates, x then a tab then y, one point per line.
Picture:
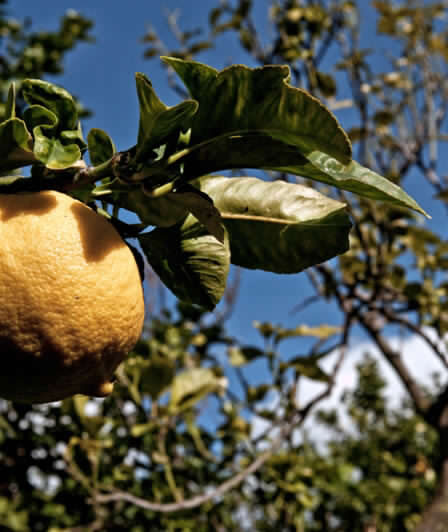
221	490
393	317
233	482
421	402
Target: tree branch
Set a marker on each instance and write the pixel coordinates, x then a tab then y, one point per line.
395	318
225	487
417	395
296	420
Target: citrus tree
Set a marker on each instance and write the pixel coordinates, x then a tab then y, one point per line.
394	276
145	457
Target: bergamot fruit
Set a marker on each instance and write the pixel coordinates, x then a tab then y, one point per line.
71	299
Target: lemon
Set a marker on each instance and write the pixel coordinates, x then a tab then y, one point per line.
71	299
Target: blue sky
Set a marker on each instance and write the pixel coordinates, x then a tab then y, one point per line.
101	75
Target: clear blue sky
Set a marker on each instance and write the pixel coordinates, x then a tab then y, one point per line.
102	76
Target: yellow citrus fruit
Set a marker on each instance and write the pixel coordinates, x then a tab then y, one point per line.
71	299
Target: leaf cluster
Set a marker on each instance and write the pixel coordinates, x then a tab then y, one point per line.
204	222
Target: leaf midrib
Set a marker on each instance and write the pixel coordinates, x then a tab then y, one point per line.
280	221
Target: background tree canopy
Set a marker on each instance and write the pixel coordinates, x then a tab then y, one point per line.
148	457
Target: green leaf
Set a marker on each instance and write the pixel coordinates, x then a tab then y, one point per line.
137	431
100	145
277	226
10	111
157	376
308	367
74	136
239	100
171	208
53	119
241	355
326	84
52	152
54	98
253	118
163	211
323	332
354	178
191	262
15	145
202	207
191	386
38	115
158	122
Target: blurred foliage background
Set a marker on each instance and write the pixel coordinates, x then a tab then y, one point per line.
148	457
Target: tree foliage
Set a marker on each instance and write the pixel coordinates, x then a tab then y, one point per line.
177	435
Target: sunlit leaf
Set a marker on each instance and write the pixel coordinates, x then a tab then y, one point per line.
277	226
253	118
191	386
54	146
241	355
52	152
322	332
356	178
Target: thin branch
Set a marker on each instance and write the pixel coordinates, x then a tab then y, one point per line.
221	490
233	482
392	316
304	304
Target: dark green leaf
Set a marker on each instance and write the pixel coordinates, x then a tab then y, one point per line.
239	100
15	145
308	367
253	118
37	115
277	226
173	207
202	207
101	146
10	111
190	261
157	376
158	121
326	84
164	211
